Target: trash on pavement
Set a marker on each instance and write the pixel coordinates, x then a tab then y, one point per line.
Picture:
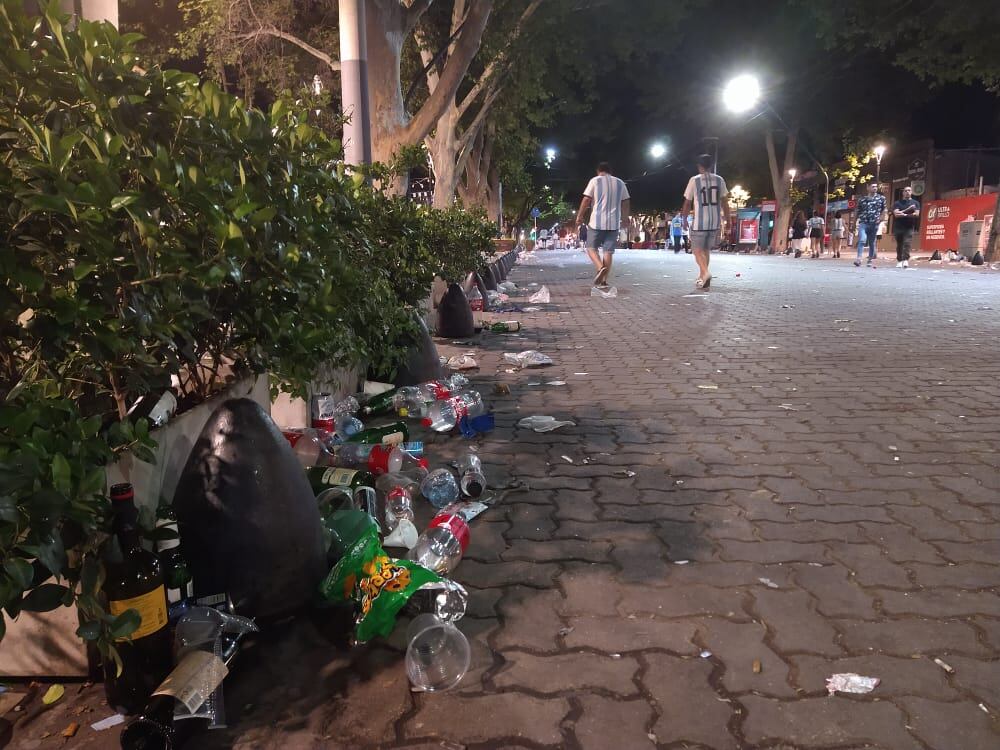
471	426
531	309
501	389
540	297
438	654
441	546
705	654
757	666
768	582
528	358
541	423
462	362
440	488
567	459
111	721
609	293
945	666
628	473
849	682
445	598
507	287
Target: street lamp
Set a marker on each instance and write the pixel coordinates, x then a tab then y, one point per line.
742	93
550	156
792	173
879	153
657	150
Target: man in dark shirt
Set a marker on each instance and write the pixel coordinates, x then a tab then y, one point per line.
906	213
870	210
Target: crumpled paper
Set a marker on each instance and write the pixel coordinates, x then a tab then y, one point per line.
462	362
529	358
849	682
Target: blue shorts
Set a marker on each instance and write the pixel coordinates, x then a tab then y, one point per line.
605	239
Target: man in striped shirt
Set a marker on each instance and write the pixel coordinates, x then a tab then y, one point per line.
610	201
707	192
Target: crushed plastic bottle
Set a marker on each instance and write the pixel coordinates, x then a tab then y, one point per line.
544	423
443	416
440	488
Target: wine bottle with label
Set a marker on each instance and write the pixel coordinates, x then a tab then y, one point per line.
134	580
322	478
392	433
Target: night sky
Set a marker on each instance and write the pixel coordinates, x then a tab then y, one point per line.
675	99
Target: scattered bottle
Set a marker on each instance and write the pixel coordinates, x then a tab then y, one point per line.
176	571
441	546
393	433
476	301
440	488
322	478
443	416
472	480
506	326
331	415
312	446
134	580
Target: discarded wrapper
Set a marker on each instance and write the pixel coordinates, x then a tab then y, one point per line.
542	423
462	362
541	296
606	292
849	682
528	358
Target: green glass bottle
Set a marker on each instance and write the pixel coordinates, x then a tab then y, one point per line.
504	326
393	433
380	403
324	477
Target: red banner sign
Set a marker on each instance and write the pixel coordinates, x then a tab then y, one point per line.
748	231
940	220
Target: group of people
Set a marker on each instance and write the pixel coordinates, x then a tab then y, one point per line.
607	202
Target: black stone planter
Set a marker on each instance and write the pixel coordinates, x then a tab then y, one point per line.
489	278
455	315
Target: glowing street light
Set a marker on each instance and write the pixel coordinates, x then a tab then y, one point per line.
879	153
742	93
657	150
550	154
792	173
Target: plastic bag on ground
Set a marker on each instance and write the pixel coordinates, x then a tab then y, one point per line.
849	682
544	423
462	362
541	296
507	287
608	293
529	358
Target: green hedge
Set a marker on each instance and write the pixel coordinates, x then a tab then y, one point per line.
153	228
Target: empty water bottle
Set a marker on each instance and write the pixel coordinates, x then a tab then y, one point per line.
438	654
472	480
443	416
312	446
440	488
442	544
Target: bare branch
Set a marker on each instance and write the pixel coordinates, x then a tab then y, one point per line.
271	31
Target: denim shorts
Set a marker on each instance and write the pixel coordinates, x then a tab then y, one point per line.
605	239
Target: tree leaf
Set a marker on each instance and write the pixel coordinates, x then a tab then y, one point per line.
45	598
54	693
126	623
82	269
20	571
125	199
89	631
62	474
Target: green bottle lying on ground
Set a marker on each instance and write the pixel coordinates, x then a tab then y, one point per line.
323	477
393	433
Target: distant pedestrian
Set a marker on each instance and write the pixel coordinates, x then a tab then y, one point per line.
608	200
799	228
816	226
905	213
837	234
870	210
707	192
677	231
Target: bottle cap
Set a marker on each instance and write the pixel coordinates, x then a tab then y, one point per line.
122	492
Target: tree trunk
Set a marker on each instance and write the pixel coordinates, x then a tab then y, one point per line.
443	146
782	187
386	31
992	253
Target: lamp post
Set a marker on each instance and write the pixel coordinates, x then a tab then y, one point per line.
658	151
879	153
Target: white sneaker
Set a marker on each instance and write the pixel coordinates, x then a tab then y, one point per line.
900	265
906	264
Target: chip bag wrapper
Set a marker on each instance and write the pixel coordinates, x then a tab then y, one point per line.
377	585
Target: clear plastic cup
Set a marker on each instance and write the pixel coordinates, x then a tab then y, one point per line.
438	655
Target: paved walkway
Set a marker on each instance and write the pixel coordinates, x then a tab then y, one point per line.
791	476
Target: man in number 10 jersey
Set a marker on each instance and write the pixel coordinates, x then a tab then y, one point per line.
707	192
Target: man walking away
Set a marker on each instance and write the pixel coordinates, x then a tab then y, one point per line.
906	213
870	210
608	200
707	192
677	231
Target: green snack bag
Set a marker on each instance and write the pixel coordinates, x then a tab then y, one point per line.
377	584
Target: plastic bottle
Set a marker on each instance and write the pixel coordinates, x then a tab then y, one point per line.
472	480
443	416
476	301
441	546
505	326
312	446
440	488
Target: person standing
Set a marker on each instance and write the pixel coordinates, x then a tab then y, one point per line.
707	192
608	200
799	228
816	226
677	231
870	210
905	213
837	234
